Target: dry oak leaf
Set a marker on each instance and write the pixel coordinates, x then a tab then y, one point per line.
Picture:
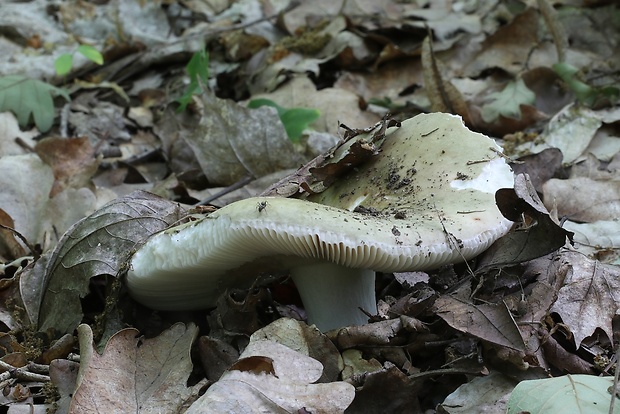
135	375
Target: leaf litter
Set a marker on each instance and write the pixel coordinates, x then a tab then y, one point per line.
539	303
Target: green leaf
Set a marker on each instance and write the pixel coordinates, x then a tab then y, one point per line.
24	96
63	64
91	54
507	102
198	71
578	394
295	120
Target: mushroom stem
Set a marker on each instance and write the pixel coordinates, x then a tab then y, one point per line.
334	295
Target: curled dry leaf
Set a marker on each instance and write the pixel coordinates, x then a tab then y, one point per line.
443	95
539	235
97	245
357	147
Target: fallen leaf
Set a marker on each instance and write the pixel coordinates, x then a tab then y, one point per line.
305	339
583	199
230	141
483	394
589	298
135	374
537	236
72	161
508	48
98	245
270	377
507	102
335	105
571	131
387	391
10	133
444	97
491	323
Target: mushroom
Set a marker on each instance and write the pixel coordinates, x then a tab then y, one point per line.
427	200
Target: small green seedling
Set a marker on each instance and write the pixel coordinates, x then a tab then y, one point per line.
64	62
198	71
295	120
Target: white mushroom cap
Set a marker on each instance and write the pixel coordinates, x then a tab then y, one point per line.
428	200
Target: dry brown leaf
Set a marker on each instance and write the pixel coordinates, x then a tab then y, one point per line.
508	48
135	374
231	142
583	199
9	246
97	245
443	95
387	391
590	296
72	161
537	236
491	323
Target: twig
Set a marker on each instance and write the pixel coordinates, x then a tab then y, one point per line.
20	373
446	371
22	238
245	180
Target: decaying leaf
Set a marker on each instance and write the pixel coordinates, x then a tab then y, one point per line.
483	394
135	374
443	95
270	377
98	245
9	246
590	296
582	199
571	131
387	391
230	141
509	48
72	161
538	236
491	323
318	174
